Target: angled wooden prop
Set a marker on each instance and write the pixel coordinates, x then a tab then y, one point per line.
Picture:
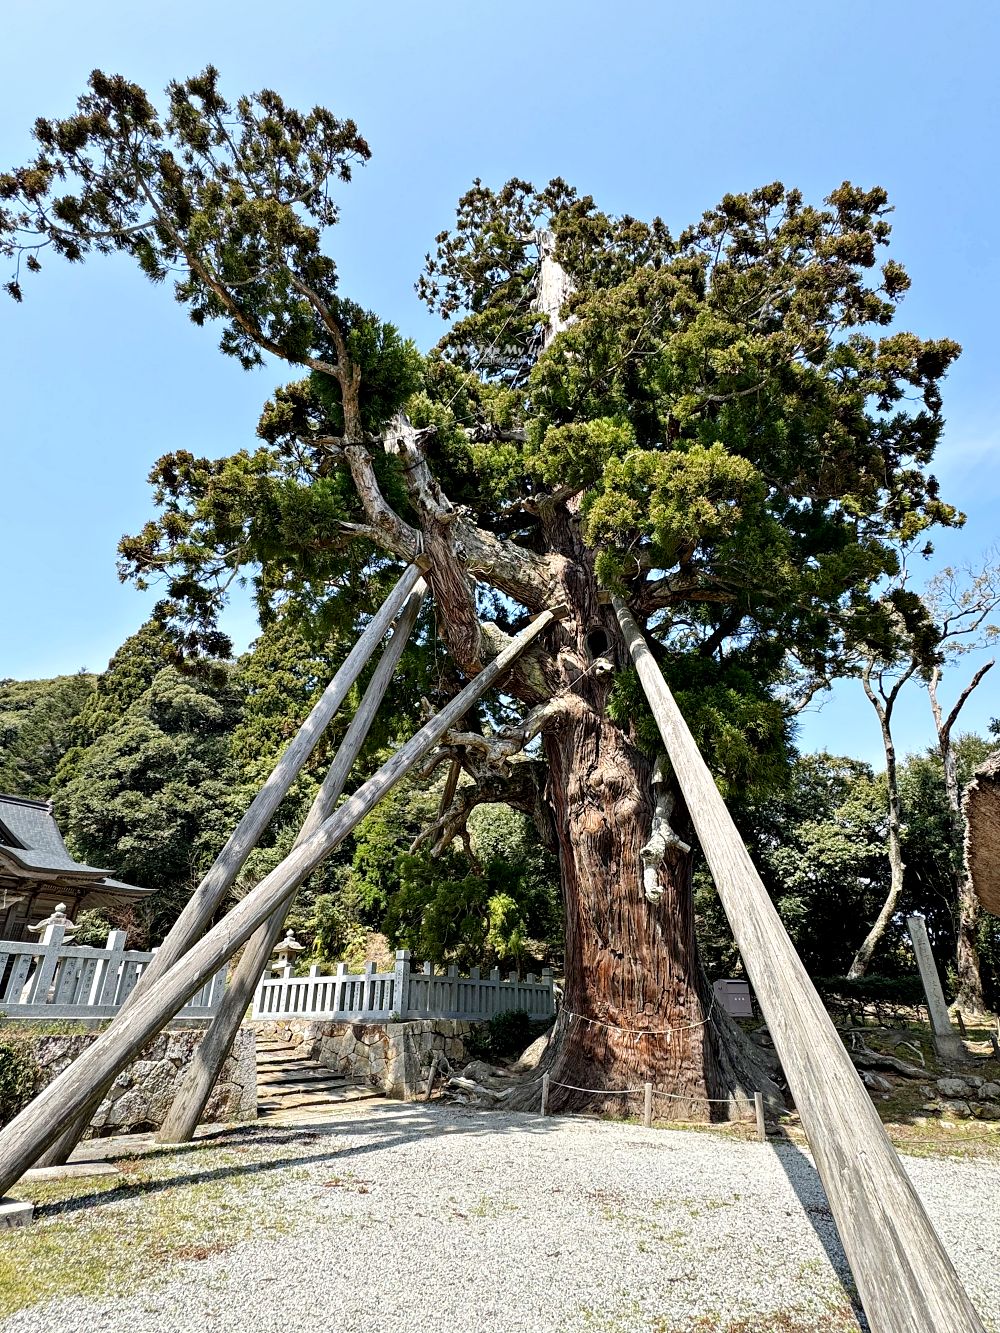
906	1281
203	903
29	1133
210	1055
200	908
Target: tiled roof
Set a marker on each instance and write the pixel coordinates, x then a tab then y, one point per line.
30	837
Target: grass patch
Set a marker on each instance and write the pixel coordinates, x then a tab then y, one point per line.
834	1319
172	1207
970	1140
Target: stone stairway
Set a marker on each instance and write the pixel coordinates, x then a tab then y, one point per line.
289	1085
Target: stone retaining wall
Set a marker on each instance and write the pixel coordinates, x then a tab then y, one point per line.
140	1097
392	1057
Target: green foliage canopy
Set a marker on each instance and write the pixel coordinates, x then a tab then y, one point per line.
724	424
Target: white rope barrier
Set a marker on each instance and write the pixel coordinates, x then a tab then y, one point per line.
630	1092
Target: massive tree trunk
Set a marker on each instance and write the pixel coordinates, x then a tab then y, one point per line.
637	1007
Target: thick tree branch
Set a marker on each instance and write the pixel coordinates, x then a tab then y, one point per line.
223	294
518	785
962	699
396	535
459	548
662	836
657	594
498	749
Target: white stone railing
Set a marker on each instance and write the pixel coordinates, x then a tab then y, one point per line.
376	997
52	979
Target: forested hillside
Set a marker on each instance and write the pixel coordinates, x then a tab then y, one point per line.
149	768
38	720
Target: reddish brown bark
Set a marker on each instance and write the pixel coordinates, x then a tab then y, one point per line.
631	966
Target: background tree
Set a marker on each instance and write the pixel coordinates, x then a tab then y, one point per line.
819	843
497	904
708	423
897	642
151	796
38	725
961	603
914	637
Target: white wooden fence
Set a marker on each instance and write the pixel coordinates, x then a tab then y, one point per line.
52	979
375	997
55	980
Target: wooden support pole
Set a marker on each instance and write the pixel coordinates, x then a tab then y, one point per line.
758	1106
30	1132
211	1052
647	1105
431	1071
204	902
545	1094
904	1276
947	1043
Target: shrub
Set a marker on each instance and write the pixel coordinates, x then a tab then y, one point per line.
876	990
506	1033
18	1074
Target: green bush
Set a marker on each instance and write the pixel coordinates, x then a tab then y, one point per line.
506	1033
18	1074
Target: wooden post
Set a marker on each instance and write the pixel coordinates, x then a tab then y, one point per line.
204	902
758	1106
545	1094
946	1042
210	1055
647	1105
40	1123
904	1276
432	1070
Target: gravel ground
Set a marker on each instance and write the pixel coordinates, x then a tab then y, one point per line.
410	1218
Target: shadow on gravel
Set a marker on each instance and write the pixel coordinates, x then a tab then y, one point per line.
385	1130
804	1180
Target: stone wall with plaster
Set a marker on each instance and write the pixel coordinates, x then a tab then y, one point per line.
140	1097
392	1057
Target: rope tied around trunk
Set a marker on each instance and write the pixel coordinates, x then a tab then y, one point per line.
603	1092
642	1032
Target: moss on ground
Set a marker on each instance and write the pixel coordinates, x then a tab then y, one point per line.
833	1316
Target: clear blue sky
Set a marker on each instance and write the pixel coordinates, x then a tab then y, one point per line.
652	107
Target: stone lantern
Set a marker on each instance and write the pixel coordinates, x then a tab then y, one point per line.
58	921
286	950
